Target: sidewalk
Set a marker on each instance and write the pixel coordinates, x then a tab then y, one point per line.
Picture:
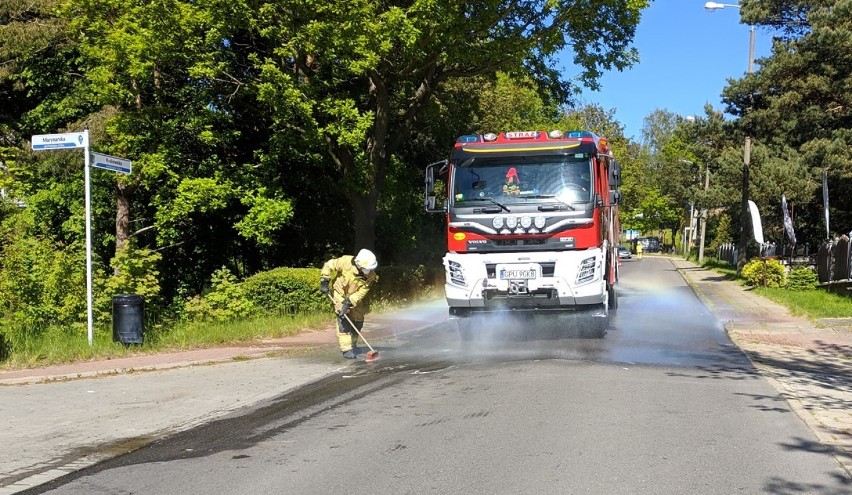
809	364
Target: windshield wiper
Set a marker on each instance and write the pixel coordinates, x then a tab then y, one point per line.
550	196
492	200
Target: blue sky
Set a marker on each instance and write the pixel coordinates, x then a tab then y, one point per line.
686	56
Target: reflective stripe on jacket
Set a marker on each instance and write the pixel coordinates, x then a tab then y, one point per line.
346	280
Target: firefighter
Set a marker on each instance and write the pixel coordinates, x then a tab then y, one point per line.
639	250
347	280
512	186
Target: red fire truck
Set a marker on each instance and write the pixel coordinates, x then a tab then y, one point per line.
532	225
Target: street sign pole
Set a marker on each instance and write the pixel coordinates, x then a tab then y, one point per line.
73	140
89	317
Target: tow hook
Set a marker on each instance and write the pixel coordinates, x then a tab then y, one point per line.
518	287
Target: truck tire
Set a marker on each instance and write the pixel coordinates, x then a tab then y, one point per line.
613	298
597	325
596	328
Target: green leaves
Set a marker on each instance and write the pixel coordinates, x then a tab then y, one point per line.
246	116
201	195
264	218
798	108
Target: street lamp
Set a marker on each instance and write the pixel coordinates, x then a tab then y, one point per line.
744	211
714	6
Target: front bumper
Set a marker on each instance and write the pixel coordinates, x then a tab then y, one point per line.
474	282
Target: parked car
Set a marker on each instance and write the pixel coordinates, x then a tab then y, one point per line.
624	253
650	244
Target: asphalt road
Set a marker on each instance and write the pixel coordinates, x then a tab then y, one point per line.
663	404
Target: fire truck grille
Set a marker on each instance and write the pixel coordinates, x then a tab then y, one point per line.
520	242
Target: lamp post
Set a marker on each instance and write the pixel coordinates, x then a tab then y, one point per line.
744	212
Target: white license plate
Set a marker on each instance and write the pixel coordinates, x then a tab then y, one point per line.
525	271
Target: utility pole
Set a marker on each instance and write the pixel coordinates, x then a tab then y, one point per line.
745	218
704	213
744	213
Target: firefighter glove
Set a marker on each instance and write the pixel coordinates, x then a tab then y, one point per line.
344	308
324	285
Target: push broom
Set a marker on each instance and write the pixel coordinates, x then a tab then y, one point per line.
373	354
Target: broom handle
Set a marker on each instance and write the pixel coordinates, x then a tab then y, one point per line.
353	326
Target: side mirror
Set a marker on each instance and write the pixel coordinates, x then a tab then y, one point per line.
614	175
614	197
431	198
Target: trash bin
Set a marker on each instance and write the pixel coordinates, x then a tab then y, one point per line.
127	318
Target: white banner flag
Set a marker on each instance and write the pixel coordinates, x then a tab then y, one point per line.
788	221
755	222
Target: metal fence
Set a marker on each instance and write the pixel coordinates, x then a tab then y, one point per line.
728	252
834	260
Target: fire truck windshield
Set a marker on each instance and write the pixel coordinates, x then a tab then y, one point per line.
513	180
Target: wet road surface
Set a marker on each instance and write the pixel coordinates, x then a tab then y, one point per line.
662	404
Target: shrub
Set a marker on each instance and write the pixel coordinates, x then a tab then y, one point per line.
801	278
5	344
398	284
290	291
137	274
286	291
764	272
296	290
42	285
225	301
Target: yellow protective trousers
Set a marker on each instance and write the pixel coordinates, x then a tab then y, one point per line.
346	335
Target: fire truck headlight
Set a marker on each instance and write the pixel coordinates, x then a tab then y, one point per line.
511	222
456	273
497	222
587	270
539	222
526	222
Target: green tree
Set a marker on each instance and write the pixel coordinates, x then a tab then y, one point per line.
798	108
353	78
511	103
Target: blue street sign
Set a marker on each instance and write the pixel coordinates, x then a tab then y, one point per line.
113	163
68	140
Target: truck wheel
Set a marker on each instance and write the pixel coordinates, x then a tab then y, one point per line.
597	327
613	298
597	323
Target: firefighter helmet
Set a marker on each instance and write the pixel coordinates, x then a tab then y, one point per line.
366	260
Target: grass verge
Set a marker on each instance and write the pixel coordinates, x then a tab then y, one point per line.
59	346
812	304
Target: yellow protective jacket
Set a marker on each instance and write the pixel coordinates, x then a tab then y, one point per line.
345	280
